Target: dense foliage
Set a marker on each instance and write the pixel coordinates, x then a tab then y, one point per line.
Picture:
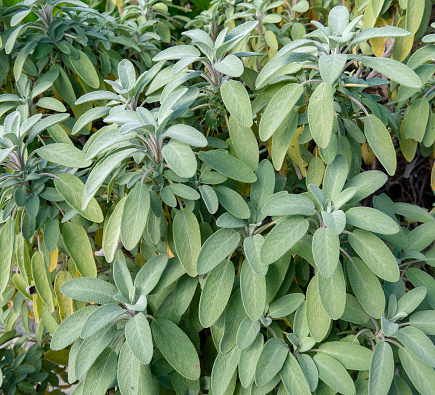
187	197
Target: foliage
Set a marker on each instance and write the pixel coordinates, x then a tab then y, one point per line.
186	202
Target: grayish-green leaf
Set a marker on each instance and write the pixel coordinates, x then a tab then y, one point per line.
187	240
228	165
381	369
135	215
418	343
245	143
248	361
318	319
371	219
271	360
247	333
91	290
375	254
293	377
79	249
180	157
253	290
331	66
72	189
420	373
334	374
393	70
332	292
326	251
277	110
282	238
63	154
216	248
69	329
168	338
351	355
101	373
216	293
321	114
380	141
150	273
286	305
138	337
100	318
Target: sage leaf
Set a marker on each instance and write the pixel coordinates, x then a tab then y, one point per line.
253	290
334	374
244	142
169	337
381	369
180	158
135	215
91	290
79	249
237	102
216	248
138	337
271	360
418	343
63	154
91	348
371	219
277	111
100	318
375	254
286	305
7	235
282	238
228	165
223	369
72	189
332	292
112	231
293	377
380	141
326	251
366	287
149	275
351	355
216	293
248	361
42	280
421	374
318	319
393	70
101	373
321	114
69	329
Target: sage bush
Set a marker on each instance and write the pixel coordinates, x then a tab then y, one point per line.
193	197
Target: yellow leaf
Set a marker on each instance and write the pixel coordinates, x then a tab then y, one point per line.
407	146
402	45
168	250
367	154
432	179
66	304
294	153
54	255
378	43
246	189
118	3
58	357
98	238
271	40
37	307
